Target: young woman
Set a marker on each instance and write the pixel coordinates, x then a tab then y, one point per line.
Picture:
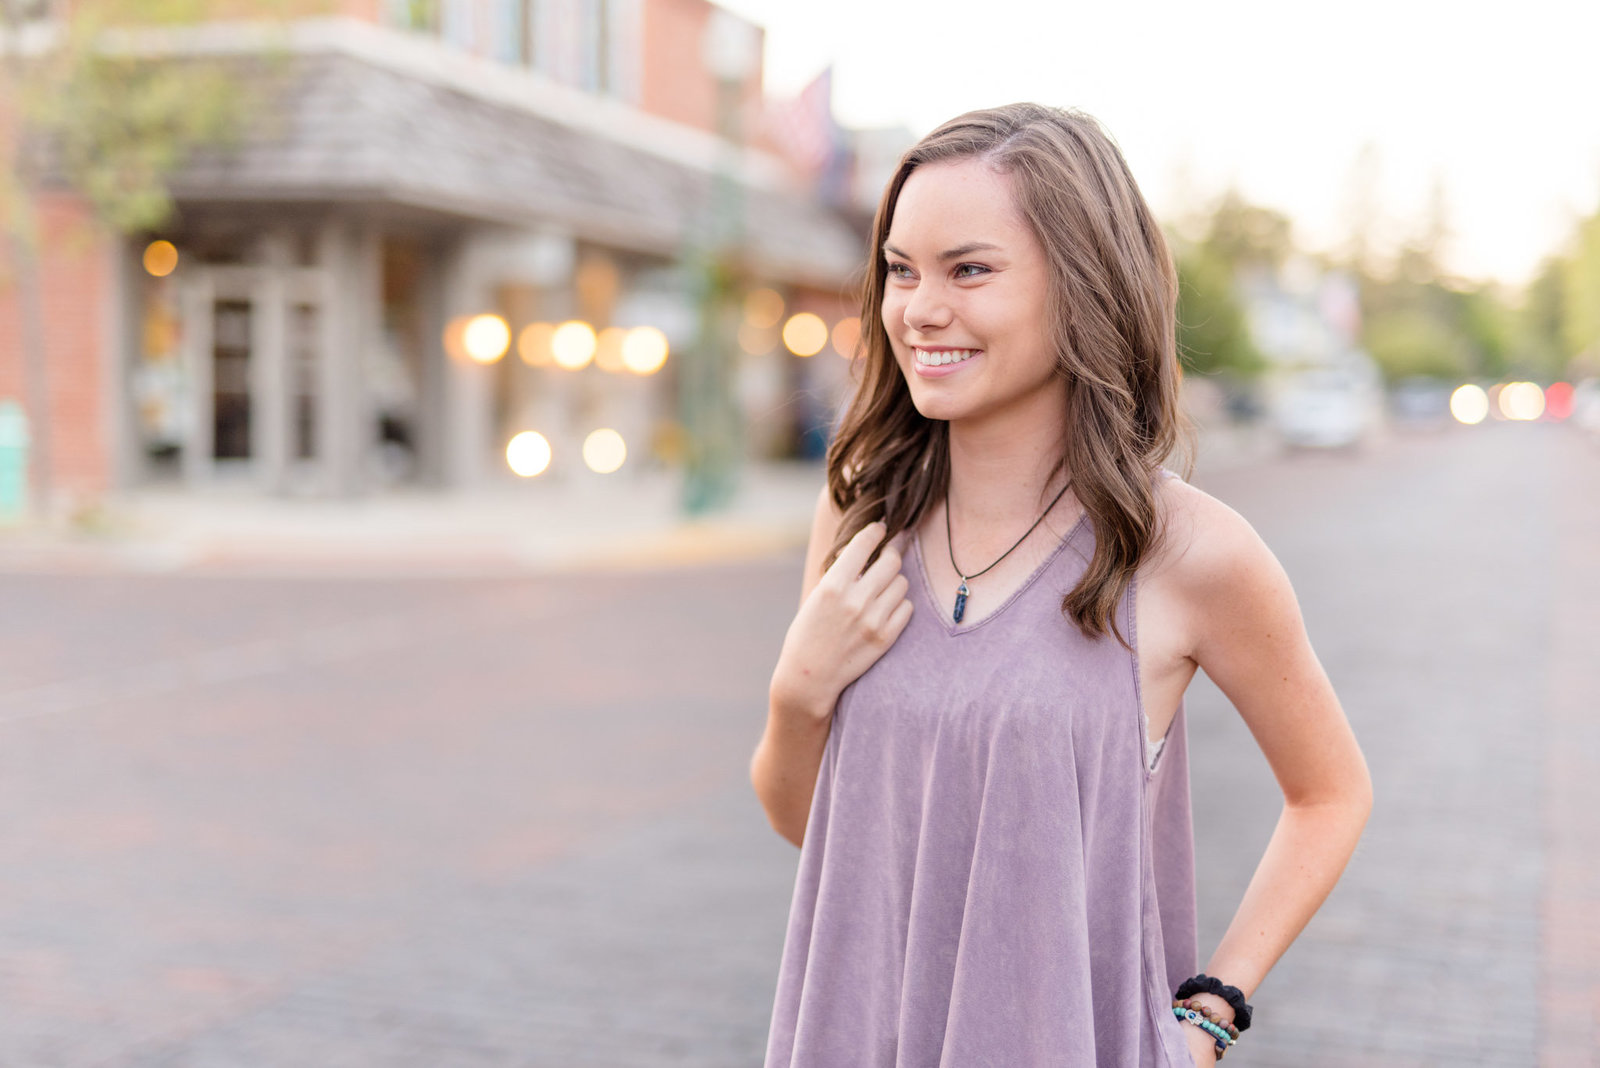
975	730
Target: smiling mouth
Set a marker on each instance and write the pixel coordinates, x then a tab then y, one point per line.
939	359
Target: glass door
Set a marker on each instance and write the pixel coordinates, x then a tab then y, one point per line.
231	356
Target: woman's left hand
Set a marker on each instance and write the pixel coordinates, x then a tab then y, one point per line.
1201	1045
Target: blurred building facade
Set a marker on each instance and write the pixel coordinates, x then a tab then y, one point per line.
1321	387
409	168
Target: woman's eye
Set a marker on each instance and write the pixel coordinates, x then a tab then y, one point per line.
899	270
970	270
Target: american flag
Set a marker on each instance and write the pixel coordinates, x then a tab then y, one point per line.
804	128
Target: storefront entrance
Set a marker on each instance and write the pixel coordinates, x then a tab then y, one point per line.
251	345
290	364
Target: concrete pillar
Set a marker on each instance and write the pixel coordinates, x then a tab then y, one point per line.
466	393
472	268
432	421
350	253
196	300
119	348
269	424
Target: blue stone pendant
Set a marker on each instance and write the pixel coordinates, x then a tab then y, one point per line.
961	601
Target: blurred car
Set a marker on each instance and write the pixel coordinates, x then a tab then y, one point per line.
1420	402
1325	408
1586	405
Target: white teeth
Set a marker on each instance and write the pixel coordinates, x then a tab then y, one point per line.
939	359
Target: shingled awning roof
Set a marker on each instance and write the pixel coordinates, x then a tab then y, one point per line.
336	128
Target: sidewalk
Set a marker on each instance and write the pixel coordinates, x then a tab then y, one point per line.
630	521
633	519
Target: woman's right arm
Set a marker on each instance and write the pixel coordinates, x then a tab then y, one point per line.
848	618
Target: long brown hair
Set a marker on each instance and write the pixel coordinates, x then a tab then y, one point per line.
1113	299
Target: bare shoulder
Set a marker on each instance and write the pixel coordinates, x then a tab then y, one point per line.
1212	573
1202	542
824	528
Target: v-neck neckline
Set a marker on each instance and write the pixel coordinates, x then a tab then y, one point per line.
955	630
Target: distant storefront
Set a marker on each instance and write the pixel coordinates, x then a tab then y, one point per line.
306	324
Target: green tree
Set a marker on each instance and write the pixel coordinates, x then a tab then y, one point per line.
1483	319
1237	238
81	114
1410	341
1244	235
1581	293
1541	324
1213	329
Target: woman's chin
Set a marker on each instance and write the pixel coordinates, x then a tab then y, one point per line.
941	408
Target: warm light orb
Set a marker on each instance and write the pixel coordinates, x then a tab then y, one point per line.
846	336
608	350
160	258
1469	404
528	453
644	350
1558	401
1522	401
805	334
573	344
763	308
1496	409
455	333
486	338
534	344
757	340
604	451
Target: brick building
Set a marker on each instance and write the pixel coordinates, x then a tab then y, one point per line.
408	165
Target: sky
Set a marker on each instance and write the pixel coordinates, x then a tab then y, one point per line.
1496	103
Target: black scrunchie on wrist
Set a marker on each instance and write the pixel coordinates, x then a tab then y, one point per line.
1205	984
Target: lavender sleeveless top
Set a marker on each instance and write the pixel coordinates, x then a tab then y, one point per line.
992	874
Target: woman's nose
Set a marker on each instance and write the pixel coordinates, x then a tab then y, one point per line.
927	308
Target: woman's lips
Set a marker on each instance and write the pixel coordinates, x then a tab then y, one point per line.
958	358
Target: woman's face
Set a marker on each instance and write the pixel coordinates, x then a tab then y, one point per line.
965	299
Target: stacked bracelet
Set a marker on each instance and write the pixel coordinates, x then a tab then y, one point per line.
1205	984
1195	1012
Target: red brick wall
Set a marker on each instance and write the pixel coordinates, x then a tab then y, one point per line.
674	82
75	282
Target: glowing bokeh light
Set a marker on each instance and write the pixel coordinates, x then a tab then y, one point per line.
1469	404
1558	401
846	336
486	338
528	453
805	334
608	350
161	258
534	344
644	350
455	333
573	344
1522	401
757	340
604	451
763	308
1495	410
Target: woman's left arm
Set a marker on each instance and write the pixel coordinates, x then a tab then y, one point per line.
1250	639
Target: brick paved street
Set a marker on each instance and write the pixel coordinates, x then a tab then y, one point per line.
315	821
1449	597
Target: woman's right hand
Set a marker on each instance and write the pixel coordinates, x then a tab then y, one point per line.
845	624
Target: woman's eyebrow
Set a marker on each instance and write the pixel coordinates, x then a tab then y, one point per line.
952	254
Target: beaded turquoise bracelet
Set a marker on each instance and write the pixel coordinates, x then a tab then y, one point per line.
1223	1033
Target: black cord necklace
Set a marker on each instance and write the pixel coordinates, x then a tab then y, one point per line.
949	543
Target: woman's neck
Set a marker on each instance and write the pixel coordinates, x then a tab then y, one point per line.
1000	474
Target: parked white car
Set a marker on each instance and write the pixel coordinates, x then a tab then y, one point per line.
1326	408
1586	405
